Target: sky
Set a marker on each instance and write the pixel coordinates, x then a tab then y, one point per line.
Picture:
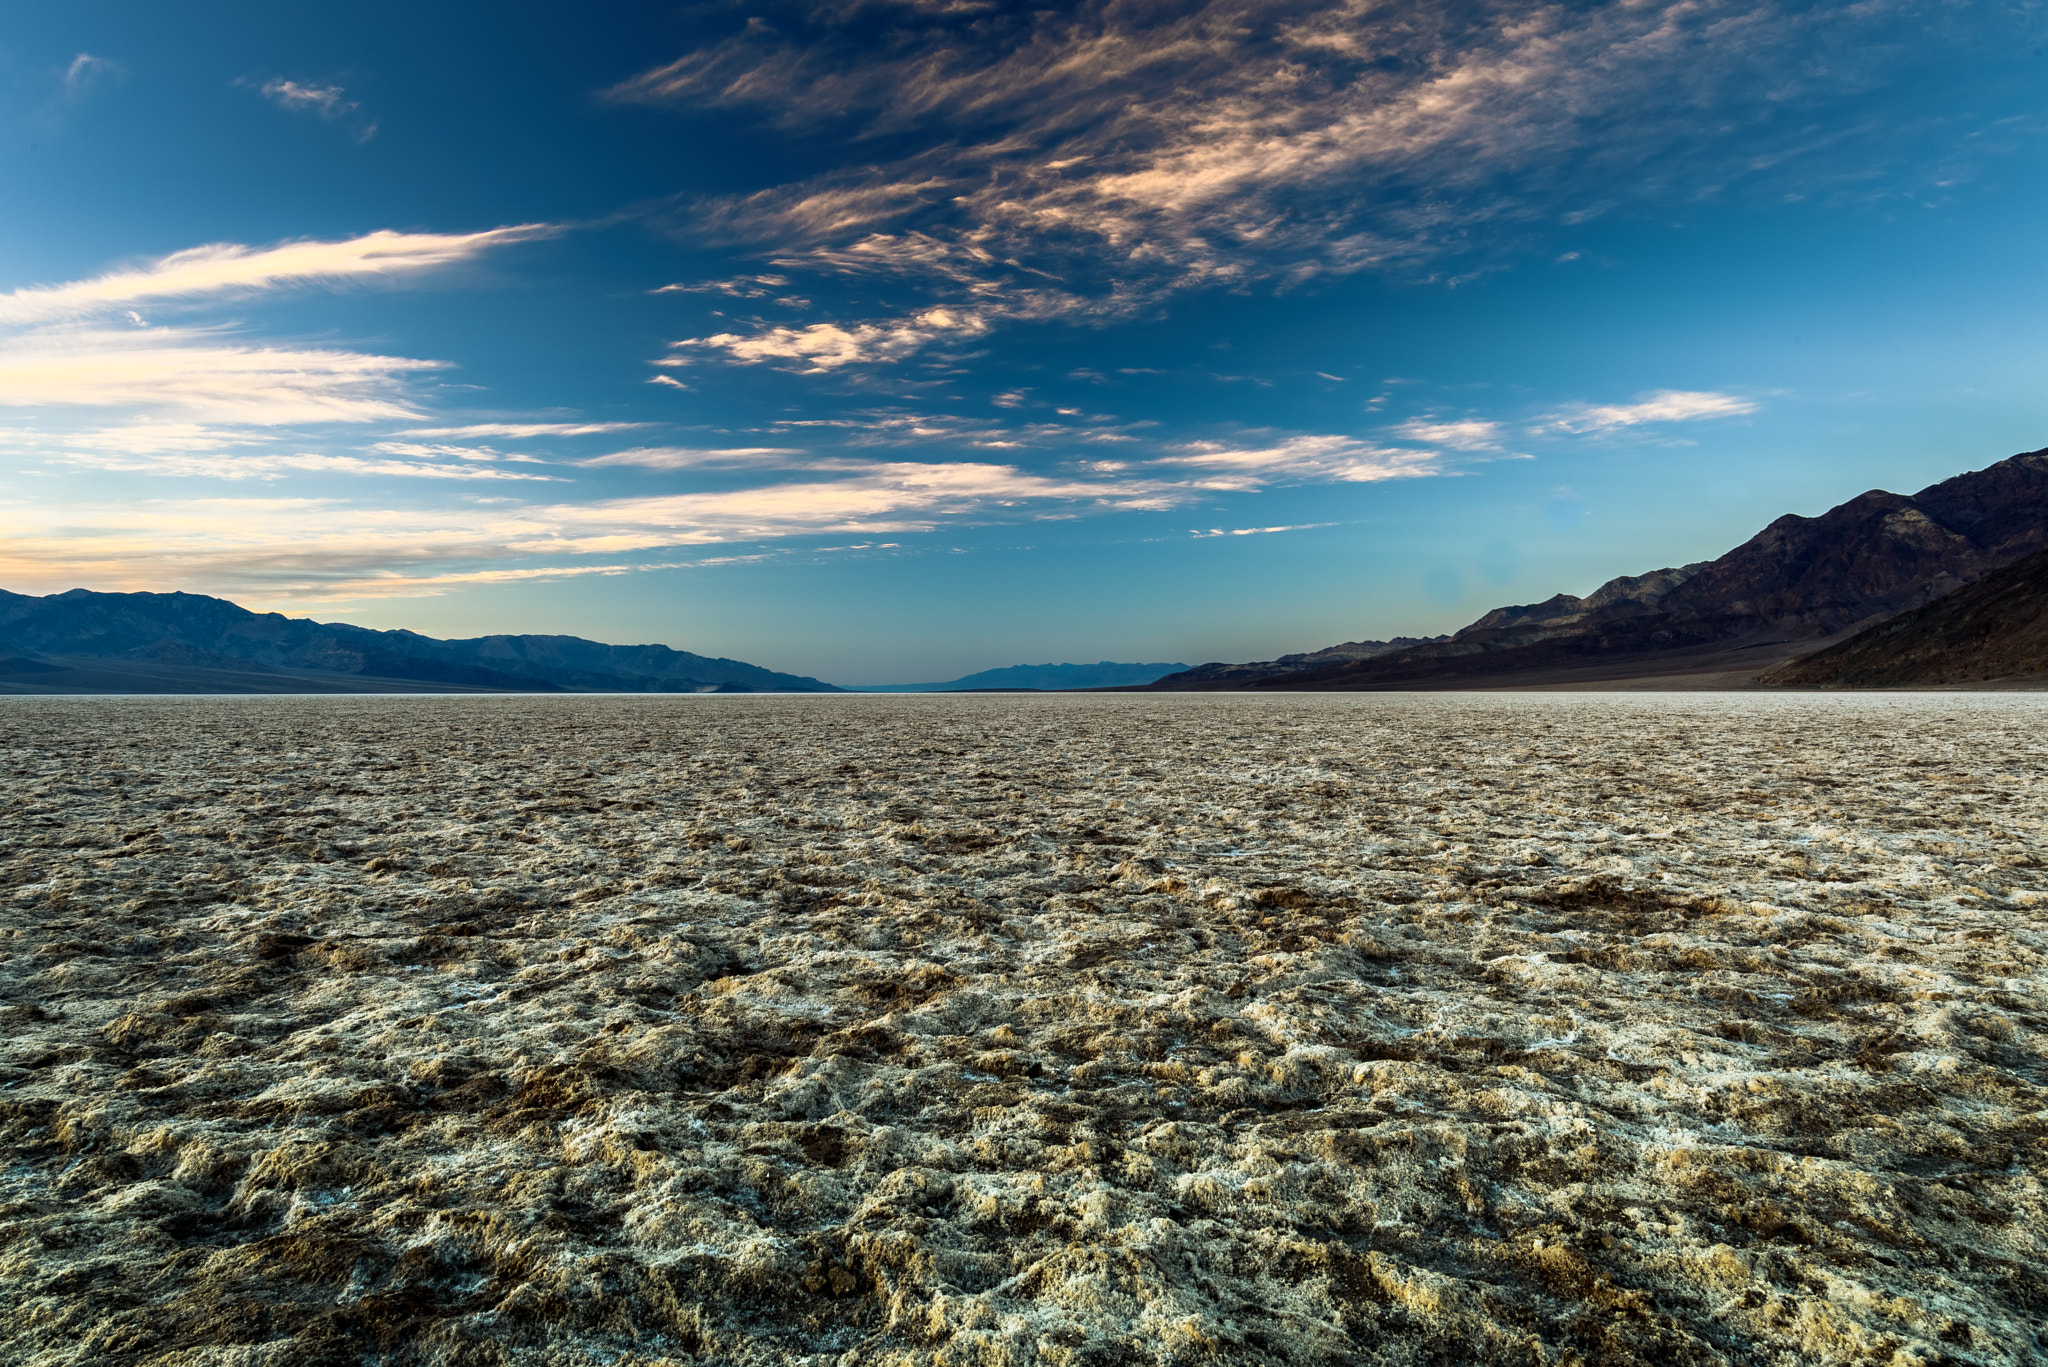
889	340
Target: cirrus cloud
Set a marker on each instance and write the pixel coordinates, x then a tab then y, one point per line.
522	429
57	347
299	546
1661	406
1133	151
202	372
226	270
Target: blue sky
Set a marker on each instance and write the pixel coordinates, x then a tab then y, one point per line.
892	341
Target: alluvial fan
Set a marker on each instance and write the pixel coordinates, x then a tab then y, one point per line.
1156	1029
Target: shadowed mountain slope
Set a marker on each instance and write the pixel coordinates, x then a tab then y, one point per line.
1996	628
83	641
1795	584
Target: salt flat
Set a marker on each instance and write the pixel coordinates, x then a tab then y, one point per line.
975	1030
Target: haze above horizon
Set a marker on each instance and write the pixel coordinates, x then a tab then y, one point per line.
893	341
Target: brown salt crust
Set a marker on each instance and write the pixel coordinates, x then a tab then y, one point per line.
1369	1028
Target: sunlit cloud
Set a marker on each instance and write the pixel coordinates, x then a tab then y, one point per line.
742	287
59	345
1663	406
886	497
396	585
227	544
827	346
1129	152
225	270
693	458
311	546
435	450
203	373
242	466
443	450
1462	434
137	438
517	430
1309	458
201	450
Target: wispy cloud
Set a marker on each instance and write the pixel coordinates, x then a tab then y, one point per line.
302	545
324	100
1662	406
517	430
57	347
1256	531
70	87
441	450
885	497
242	465
86	72
204	373
828	346
328	102
1460	434
299	544
1308	459
1127	152
697	458
226	270
202	450
742	287
393	584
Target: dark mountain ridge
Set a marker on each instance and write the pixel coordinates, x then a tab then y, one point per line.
1996	628
1800	581
189	636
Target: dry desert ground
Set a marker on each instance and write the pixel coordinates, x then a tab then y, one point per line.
1024	1030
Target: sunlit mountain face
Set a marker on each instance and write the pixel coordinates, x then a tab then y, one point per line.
887	341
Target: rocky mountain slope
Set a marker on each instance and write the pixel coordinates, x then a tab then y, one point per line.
1996	628
83	641
1799	581
1046	678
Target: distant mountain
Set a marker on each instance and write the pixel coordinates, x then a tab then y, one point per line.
1106	674
83	641
1347	653
1996	628
1794	585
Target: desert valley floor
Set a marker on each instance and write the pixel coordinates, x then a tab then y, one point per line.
1024	1030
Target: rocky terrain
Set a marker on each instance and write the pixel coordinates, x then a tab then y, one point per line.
1798	583
1054	1030
1996	628
86	642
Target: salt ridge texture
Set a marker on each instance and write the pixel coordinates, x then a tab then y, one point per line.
1367	1028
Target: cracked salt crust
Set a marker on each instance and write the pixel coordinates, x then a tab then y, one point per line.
1023	1030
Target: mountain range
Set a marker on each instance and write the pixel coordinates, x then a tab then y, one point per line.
82	641
1038	678
1799	585
1946	585
1996	628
